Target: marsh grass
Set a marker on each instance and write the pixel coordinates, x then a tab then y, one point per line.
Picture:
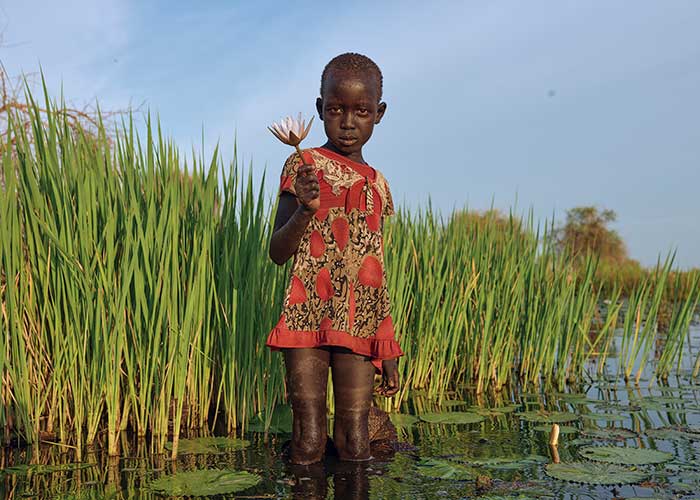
137	293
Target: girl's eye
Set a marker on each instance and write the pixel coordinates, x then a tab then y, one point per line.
334	110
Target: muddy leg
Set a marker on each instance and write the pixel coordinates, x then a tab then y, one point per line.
353	376
307	381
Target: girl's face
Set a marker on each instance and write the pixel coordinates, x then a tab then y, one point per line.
349	108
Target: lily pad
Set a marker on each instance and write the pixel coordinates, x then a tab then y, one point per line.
574	398
509	497
204	482
280	423
445	469
648	401
580	442
680	432
455	417
689	475
669	390
563	429
616	406
610	433
495	411
624	455
512	463
451	403
594	473
208	445
554	417
606	417
403	419
23	469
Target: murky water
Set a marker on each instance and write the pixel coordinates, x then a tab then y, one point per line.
506	455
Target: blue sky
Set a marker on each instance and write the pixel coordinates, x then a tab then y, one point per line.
554	104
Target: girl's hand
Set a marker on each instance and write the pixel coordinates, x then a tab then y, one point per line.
307	188
390	378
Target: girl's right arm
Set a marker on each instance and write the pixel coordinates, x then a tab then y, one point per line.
294	214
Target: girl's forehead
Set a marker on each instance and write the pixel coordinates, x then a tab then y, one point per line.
346	83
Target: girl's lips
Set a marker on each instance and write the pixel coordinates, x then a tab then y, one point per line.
347	141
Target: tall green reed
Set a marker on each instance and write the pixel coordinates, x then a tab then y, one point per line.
137	293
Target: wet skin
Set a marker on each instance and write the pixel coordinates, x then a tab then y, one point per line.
349	109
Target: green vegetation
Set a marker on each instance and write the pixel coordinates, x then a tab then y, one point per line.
595	473
586	232
206	482
137	293
624	455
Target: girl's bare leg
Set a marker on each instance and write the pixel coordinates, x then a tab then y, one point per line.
307	380
353	377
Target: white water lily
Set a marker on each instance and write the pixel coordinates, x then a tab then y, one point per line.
291	131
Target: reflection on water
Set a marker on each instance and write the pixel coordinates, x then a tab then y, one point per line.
504	456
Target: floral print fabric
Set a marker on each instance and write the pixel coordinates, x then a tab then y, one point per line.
337	292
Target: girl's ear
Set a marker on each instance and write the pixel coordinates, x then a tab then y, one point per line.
381	109
319	107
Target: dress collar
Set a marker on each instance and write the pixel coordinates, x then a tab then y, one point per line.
360	168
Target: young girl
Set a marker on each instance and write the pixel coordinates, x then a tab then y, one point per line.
336	312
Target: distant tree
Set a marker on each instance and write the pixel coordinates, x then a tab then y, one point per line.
586	231
504	228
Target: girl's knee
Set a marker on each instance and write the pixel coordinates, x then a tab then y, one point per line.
309	432
307	449
351	435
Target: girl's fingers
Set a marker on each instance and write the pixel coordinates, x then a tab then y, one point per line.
305	170
390	390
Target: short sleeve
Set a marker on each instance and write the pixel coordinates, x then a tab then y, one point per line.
388	202
289	171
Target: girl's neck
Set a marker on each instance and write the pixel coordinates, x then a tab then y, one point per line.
355	156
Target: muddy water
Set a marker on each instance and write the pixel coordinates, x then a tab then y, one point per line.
504	456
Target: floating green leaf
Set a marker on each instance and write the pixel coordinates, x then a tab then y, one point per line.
679	432
204	482
495	411
607	417
620	407
208	445
450	403
625	455
594	473
445	469
44	469
563	429
553	417
648	401
574	398
280	423
580	442
455	417
513	464
403	419
610	433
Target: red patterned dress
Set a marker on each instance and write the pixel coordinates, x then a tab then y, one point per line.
337	294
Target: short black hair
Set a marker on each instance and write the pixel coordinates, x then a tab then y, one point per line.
356	64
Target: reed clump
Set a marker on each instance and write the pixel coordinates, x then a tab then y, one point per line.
137	293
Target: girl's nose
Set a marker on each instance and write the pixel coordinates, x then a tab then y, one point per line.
347	121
